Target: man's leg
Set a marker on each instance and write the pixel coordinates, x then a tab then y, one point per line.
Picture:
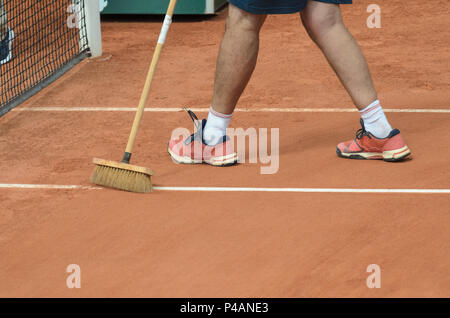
235	65
323	22
236	62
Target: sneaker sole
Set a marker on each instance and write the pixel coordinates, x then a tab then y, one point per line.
389	156
224	161
9	57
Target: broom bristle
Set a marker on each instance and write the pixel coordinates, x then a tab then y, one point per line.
123	179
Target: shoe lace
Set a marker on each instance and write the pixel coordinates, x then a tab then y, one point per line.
362	132
193	117
198	134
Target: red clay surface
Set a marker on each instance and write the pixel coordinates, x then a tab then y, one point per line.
193	244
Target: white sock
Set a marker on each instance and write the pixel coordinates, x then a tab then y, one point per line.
375	120
216	127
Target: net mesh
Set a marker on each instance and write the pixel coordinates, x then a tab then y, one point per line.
39	38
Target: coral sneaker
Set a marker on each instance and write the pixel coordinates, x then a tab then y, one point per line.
193	149
367	146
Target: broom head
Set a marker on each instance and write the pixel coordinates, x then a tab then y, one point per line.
122	176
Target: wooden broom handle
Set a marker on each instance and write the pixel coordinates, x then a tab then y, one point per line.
151	73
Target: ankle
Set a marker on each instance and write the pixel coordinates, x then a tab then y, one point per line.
375	120
216	127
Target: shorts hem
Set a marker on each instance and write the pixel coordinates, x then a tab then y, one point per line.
259	10
243	5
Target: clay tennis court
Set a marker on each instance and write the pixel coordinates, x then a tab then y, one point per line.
309	230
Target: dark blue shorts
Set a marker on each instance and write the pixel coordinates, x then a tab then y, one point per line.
277	6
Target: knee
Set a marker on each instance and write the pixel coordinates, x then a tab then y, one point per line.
243	21
318	22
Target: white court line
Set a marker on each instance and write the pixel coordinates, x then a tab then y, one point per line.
303	190
45	186
237	189
243	110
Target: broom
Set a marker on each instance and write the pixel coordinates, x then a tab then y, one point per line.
122	175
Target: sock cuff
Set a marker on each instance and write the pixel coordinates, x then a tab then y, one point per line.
374	106
217	114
